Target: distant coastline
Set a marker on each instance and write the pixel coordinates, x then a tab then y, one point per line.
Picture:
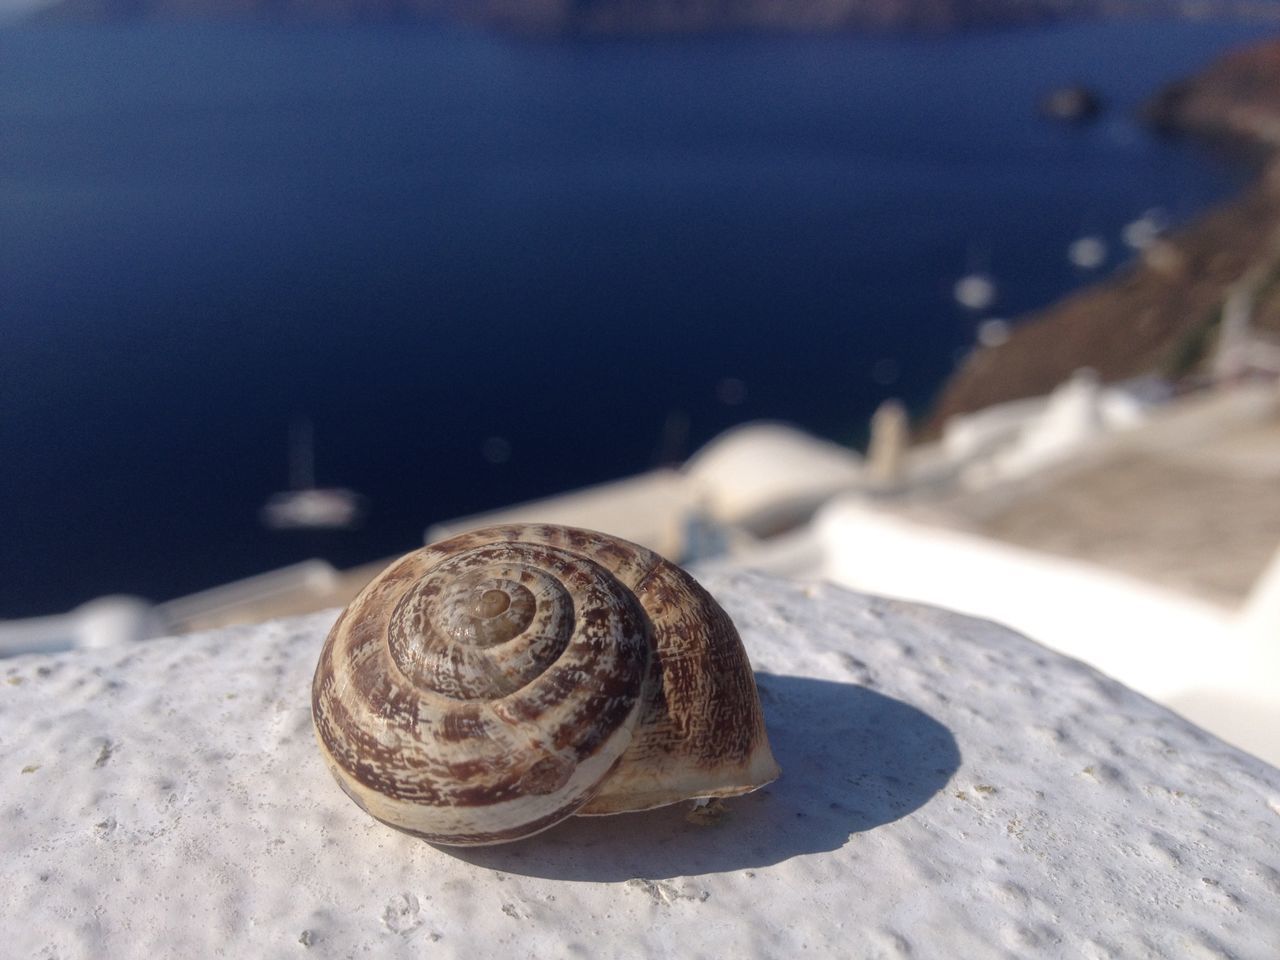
1160	314
605	18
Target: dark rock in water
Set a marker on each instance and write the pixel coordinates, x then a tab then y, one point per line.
1074	104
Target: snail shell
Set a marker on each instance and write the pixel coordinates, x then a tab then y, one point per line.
486	687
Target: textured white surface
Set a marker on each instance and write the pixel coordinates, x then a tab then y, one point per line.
1219	669
755	472
949	789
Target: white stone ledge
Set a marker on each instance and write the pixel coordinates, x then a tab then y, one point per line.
950	789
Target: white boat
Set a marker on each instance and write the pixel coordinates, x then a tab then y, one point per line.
1146	230
334	508
306	506
1087	252
975	291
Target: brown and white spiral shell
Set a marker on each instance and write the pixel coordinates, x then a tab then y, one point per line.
487	687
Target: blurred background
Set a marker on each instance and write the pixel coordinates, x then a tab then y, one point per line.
972	302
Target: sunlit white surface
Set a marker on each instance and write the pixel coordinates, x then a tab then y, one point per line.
102	622
949	788
1169	646
761	473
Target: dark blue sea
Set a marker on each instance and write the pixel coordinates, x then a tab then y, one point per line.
489	269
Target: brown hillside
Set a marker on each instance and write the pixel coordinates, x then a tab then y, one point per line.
1159	315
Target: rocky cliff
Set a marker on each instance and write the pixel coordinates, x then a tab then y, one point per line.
1238	97
1161	314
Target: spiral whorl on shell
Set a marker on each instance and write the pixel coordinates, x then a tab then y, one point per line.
486	687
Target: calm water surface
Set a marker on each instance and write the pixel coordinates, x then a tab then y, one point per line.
426	240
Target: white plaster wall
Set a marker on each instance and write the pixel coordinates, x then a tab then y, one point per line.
949	789
1197	656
